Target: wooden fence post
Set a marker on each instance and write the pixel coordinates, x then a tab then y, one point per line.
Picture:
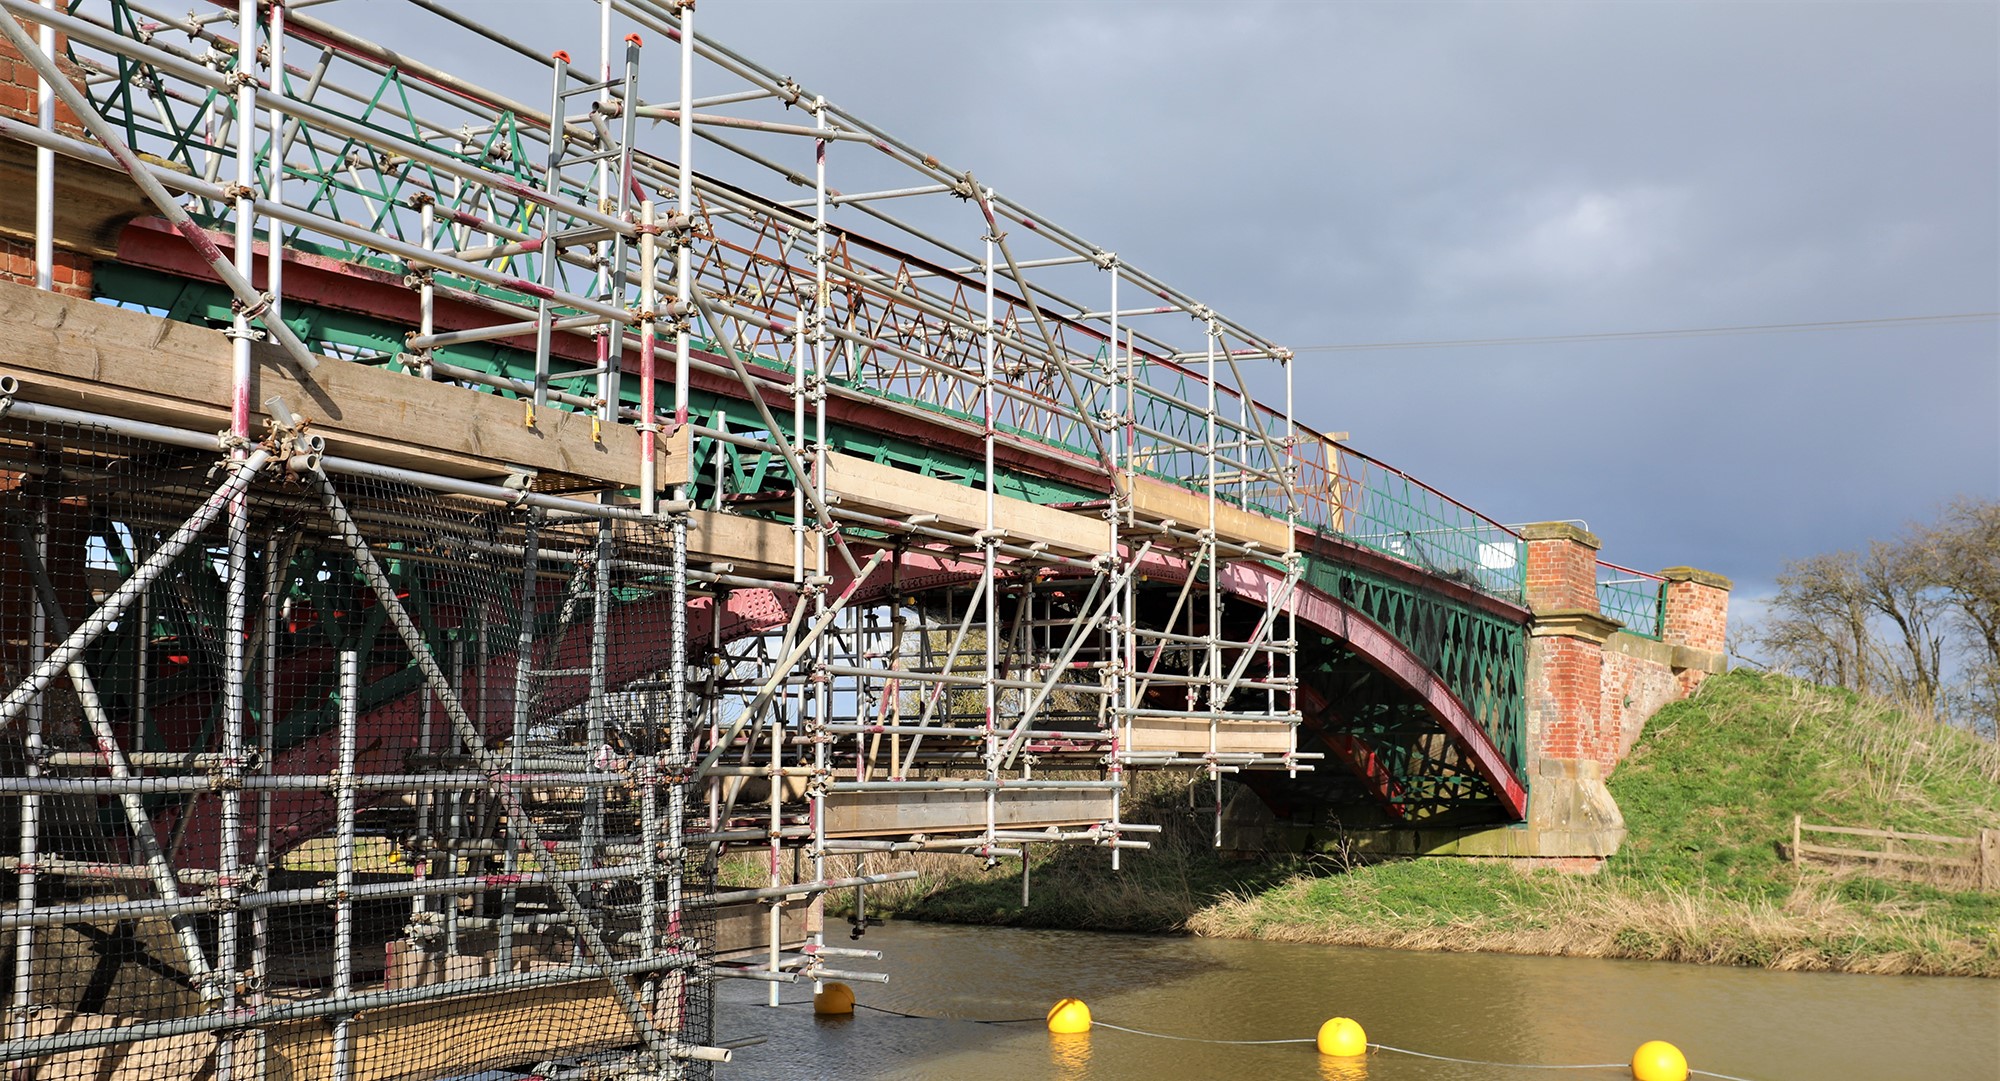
1989	860
1795	839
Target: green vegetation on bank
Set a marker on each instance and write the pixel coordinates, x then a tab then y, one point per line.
1708	794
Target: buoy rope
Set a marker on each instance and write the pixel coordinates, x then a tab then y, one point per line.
1508	1065
1251	1043
1189	1039
933	1017
1417	1054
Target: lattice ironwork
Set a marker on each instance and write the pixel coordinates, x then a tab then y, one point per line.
1480	656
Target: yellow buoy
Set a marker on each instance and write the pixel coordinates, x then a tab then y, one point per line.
1658	1060
1342	1037
833	1000
1069	1017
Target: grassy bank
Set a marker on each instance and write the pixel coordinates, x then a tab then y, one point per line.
1707	794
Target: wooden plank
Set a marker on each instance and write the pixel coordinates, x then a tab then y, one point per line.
899	493
1897	857
93	202
457	1036
1989	860
1190	736
673	458
754	545
1855	831
745	927
74	352
1158	501
168	1058
891	814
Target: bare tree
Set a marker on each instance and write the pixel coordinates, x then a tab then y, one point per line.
1962	556
1897	586
1818	626
1916	618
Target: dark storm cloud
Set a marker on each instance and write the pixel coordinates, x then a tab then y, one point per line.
1339	173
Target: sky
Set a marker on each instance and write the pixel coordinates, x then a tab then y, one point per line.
1345	173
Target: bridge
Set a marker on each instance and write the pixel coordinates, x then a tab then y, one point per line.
478	571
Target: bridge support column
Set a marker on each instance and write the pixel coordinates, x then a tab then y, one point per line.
1566	714
1572	740
1694	620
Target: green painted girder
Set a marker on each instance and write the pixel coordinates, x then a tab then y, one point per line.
1480	656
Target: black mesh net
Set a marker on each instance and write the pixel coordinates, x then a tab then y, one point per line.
347	780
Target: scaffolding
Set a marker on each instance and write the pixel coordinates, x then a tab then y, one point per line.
878	540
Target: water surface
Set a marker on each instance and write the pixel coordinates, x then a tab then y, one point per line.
1754	1024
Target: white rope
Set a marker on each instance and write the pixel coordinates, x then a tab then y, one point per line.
1508	1065
1190	1039
1417	1054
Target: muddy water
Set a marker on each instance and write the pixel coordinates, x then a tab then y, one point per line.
1756	1025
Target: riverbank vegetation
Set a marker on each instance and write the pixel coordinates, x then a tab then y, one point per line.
1709	794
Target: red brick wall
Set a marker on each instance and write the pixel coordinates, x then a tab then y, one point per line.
71	272
17	83
1697	614
1590	695
1567	694
1561	575
1633	690
1562	567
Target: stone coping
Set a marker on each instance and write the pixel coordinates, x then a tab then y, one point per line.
1569	531
1700	577
1574	623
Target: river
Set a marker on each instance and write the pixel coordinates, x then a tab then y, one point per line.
1748	1023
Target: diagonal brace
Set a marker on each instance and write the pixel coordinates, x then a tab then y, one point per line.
121	598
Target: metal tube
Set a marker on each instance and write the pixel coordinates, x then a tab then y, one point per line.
274	187
969	785
343	873
253	303
649	301
45	162
527	613
801	889
30	813
431	340
552	181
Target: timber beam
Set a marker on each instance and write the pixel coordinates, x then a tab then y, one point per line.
83	355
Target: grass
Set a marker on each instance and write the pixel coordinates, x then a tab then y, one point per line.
1708	794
